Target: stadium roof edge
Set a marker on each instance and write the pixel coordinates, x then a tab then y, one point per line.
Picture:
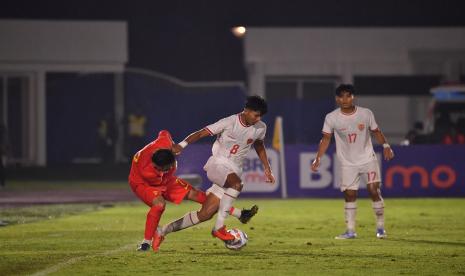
185	83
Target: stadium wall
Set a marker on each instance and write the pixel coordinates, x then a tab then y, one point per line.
83	100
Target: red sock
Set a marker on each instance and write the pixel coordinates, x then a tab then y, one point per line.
153	218
201	197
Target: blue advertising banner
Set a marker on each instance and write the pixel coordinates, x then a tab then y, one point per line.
416	171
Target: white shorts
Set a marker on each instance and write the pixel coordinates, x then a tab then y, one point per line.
218	170
350	175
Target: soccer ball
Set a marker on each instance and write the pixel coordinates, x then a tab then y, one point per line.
240	240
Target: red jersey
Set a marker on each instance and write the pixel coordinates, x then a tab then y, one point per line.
142	169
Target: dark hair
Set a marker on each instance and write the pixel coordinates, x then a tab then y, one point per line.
163	157
257	103
345	88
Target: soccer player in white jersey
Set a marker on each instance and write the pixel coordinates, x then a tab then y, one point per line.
352	126
235	136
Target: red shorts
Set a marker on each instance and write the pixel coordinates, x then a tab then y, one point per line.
172	189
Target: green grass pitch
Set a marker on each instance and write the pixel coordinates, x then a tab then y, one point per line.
287	237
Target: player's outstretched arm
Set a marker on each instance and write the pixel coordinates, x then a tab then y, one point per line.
381	139
261	152
324	144
192	138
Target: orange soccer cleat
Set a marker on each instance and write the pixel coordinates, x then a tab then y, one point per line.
157	240
223	234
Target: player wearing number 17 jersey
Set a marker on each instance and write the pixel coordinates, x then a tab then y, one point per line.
352	126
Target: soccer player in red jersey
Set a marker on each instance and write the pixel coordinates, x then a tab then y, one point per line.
153	180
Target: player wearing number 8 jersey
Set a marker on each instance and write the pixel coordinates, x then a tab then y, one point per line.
352	127
236	135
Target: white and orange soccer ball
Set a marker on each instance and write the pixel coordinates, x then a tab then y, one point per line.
240	240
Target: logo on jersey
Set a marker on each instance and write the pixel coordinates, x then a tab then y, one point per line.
249	141
361	127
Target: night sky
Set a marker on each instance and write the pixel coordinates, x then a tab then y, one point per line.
191	40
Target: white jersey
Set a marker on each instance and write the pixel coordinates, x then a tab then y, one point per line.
352	134
234	138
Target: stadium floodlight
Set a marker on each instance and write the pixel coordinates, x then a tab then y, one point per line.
239	31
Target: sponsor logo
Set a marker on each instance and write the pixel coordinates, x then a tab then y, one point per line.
441	176
249	141
253	174
361	127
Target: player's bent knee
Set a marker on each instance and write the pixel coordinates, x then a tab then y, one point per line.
158	207
374	190
373	186
158	203
202	217
350	195
205	215
233	181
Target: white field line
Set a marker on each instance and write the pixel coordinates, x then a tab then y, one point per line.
74	260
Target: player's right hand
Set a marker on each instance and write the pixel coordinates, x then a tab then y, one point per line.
269	176
176	149
315	164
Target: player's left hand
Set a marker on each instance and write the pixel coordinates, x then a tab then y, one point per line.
315	164
269	176
388	154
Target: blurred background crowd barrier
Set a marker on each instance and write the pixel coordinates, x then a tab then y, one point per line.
90	131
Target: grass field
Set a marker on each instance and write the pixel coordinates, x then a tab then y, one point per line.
287	237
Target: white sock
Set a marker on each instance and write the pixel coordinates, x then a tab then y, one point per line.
225	204
235	212
350	210
378	208
147	241
188	220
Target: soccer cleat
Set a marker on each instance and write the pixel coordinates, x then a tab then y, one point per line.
143	247
347	235
381	233
157	240
223	234
246	215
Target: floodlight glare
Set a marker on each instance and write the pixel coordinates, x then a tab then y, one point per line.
239	31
